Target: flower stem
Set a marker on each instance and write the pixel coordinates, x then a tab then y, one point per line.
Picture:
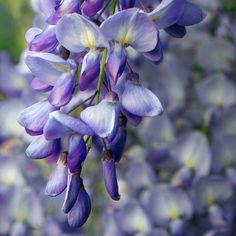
101	75
113	7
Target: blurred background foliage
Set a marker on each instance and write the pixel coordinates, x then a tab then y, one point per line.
15	19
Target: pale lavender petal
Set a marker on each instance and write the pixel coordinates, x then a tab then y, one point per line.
116	62
73	124
102	118
41	148
58	180
76	33
140	101
39	85
63	90
132	28
35	117
48	67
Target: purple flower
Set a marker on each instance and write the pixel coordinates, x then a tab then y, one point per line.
103	118
79	213
35	117
44	41
138	100
109	175
41	148
58	179
77	152
91	7
72	191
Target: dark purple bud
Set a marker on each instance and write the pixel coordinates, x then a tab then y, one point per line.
65	6
77	152
40	85
46	41
41	148
72	191
109	175
91	7
127	4
79	213
90	69
63	90
116	62
176	31
117	145
58	179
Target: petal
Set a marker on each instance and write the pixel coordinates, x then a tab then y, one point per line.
192	15
41	148
46	41
109	176
32	33
73	124
77	152
57	181
76	33
91	7
79	214
127	4
156	55
35	117
167	13
65	6
62	91
117	145
116	62
39	85
176	31
90	69
47	7
72	191
54	129
102	118
132	28
47	67
140	101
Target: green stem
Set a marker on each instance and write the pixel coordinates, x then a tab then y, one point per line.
101	75
113	7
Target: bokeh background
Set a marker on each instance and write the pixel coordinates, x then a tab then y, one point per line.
178	171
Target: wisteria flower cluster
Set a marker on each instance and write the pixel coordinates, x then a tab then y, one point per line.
80	62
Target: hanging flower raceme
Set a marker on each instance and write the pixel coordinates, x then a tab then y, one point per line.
82	67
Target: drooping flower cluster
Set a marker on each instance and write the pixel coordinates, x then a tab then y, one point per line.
80	63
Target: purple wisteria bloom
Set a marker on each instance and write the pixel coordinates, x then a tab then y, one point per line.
82	64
